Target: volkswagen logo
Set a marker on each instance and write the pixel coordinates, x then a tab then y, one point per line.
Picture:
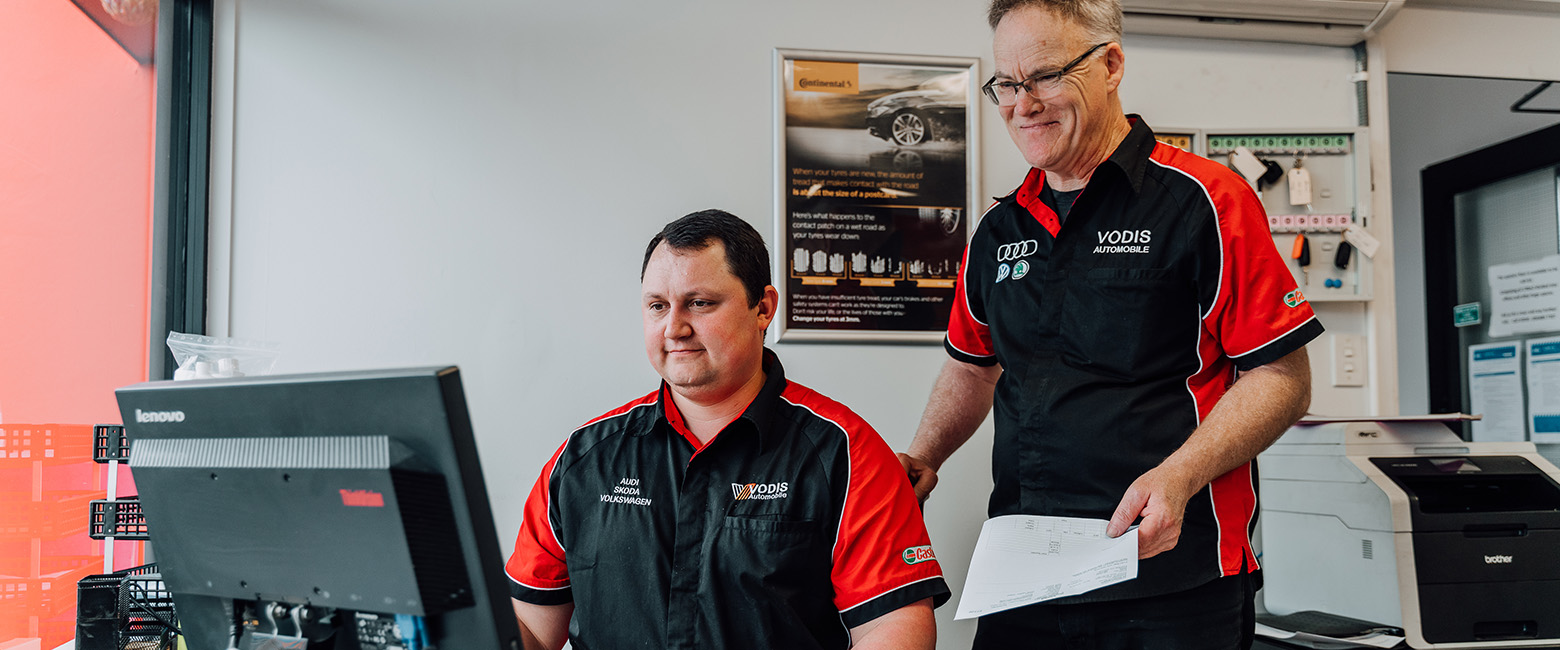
1010	252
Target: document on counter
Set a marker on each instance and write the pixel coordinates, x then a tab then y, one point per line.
1025	559
1495	390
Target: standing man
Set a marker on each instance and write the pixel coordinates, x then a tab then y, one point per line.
729	508
1129	316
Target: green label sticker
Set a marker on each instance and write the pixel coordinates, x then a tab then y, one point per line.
1467	314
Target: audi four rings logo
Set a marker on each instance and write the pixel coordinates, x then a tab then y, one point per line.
1016	250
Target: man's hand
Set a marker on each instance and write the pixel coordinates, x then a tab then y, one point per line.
922	477
1160	498
1261	404
960	400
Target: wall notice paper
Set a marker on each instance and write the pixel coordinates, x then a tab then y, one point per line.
1024	559
1525	297
1495	386
1543	388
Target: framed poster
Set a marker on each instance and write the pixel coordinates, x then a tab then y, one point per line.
875	168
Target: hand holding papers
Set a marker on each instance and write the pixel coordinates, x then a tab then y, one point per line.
1023	559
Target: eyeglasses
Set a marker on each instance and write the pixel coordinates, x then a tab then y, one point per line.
1039	86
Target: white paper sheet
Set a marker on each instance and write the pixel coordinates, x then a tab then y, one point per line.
1525	297
1024	559
1543	388
1495	388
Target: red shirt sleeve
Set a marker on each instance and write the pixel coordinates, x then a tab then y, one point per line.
883	557
1259	314
969	338
537	569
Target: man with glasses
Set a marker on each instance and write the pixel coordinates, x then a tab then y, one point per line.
1128	316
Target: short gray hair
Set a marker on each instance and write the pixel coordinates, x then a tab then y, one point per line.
1100	18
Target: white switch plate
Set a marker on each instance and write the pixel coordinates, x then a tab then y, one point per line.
1348	360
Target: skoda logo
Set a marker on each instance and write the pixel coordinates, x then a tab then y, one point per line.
1020	269
1010	252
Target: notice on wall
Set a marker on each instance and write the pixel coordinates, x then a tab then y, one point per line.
1543	388
1495	388
874	195
1525	297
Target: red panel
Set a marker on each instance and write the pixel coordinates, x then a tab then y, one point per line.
76	149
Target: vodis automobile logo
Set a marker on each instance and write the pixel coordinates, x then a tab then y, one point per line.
158	416
1016	250
758	491
1123	241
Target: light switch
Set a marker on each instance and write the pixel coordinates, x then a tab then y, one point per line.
1348	360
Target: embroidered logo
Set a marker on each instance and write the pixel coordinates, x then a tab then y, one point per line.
1111	241
1020	269
759	491
1294	298
626	492
1002	272
918	554
1016	250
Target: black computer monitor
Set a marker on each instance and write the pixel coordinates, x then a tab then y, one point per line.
323	506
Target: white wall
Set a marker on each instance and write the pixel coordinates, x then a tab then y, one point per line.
1509	44
473	182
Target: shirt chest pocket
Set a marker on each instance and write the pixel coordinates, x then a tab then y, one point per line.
1129	323
780	553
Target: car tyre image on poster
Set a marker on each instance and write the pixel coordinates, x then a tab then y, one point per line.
875	176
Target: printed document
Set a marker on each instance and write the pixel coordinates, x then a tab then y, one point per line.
1495	390
1543	388
1024	559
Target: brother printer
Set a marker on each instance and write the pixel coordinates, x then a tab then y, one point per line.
1404	523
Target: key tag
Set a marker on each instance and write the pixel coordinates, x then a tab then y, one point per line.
1299	184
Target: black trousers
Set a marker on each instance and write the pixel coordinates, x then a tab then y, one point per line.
1220	615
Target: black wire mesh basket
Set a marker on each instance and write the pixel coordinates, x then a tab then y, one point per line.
118	518
125	610
109	444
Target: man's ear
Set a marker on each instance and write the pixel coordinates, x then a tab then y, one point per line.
768	304
1115	65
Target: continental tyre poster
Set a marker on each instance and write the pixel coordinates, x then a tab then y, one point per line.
875	162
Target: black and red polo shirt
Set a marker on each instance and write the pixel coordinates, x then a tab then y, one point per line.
1118	330
791	526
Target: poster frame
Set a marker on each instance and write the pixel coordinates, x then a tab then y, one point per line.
974	104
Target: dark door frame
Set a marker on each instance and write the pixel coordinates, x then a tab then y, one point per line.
179	209
1439	186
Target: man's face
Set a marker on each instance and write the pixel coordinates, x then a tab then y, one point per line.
700	333
1056	132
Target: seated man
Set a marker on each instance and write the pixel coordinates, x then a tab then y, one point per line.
729	508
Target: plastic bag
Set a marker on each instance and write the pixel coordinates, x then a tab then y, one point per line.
206	357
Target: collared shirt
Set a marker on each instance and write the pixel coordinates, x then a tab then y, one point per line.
794	524
1117	333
